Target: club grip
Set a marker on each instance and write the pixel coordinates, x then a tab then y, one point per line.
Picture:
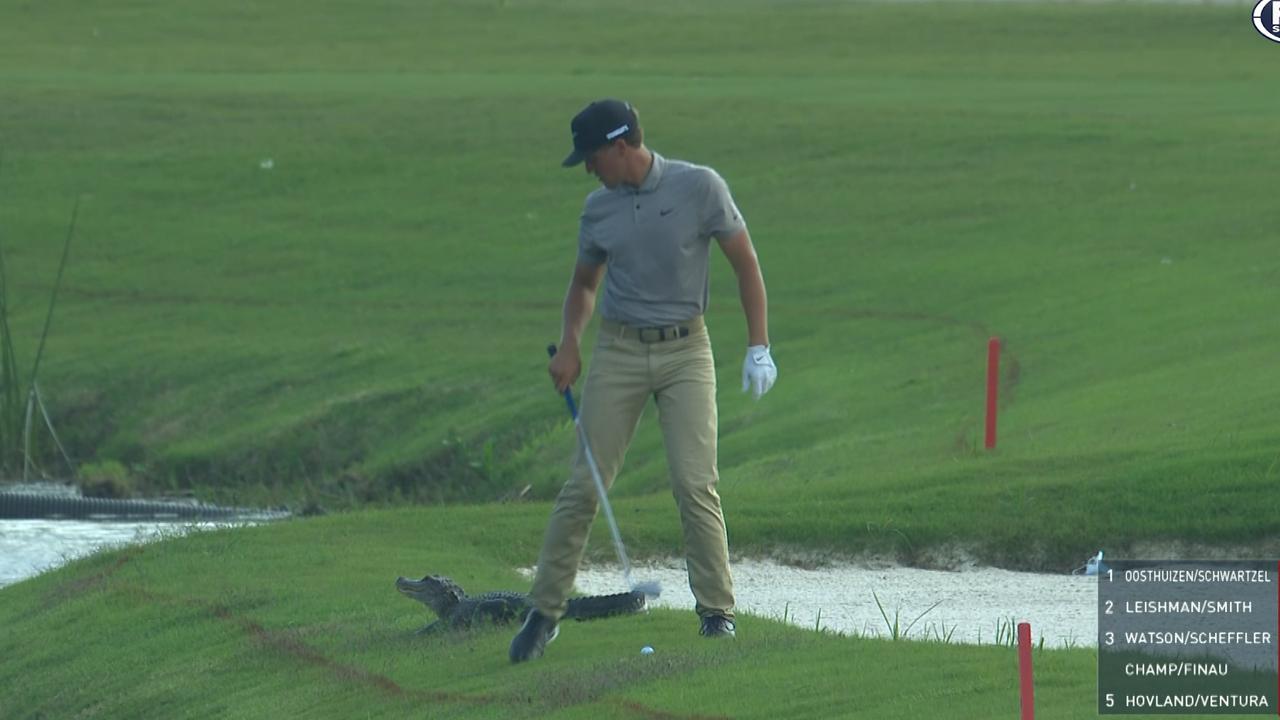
568	392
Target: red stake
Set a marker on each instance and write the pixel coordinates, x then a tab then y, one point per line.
1024	671
993	382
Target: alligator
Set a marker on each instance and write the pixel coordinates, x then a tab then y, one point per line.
458	611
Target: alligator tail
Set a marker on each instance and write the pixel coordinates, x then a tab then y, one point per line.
600	606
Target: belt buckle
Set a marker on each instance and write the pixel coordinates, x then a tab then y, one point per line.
661	334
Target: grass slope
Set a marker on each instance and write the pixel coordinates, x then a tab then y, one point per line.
301	617
364	321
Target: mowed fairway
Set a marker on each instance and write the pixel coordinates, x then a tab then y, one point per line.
362	320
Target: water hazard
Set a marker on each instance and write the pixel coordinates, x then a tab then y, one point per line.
30	547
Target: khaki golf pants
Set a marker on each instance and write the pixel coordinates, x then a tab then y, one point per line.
625	372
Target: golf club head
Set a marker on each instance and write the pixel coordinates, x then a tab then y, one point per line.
651	588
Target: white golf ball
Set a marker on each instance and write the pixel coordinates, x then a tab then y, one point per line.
646	650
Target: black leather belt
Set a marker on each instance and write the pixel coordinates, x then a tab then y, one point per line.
660	334
646	334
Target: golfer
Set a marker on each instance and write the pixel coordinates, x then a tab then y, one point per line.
651	227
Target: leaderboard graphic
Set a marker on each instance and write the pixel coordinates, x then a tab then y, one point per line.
1188	638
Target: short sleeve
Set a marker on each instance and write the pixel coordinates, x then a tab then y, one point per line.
588	251
719	216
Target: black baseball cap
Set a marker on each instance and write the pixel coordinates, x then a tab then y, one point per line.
599	124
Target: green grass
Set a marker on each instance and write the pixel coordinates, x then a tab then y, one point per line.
302	617
363	324
365	321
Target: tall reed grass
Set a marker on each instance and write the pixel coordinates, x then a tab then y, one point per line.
16	437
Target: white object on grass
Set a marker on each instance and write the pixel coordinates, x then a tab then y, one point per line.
1092	566
646	650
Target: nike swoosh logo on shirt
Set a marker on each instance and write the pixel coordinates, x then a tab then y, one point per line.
666	212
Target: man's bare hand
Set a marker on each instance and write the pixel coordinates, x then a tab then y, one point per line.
565	367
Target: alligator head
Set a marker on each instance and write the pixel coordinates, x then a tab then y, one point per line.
437	592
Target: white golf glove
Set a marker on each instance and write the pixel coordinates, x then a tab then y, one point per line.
758	371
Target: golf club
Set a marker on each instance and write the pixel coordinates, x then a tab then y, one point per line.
650	588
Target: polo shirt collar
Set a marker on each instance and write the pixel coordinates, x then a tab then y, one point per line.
655	174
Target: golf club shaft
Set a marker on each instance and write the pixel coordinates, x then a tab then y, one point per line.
595	475
604	503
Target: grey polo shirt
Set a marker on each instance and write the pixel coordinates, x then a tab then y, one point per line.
656	240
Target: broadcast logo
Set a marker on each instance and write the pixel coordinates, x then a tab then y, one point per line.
1266	18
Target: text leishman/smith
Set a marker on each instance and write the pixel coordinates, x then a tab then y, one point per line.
1193	607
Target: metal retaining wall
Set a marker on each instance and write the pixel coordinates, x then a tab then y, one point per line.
27	506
